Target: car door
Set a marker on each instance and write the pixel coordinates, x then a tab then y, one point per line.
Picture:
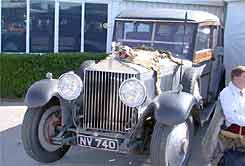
204	55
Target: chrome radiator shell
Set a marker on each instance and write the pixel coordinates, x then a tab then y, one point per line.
102	107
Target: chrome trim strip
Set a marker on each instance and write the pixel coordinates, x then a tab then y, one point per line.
117	102
109	110
95	99
151	42
99	102
120	104
92	99
123	107
105	101
114	111
154	20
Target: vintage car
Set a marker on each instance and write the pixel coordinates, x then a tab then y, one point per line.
149	96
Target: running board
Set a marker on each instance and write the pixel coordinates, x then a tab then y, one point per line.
207	112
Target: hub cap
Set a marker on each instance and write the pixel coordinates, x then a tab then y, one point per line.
47	129
177	145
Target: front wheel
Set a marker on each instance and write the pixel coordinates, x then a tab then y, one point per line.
38	128
170	145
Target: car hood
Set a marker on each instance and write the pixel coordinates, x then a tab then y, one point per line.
111	64
142	62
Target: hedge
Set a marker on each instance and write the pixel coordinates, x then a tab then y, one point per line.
18	72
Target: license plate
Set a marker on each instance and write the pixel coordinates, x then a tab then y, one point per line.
98	142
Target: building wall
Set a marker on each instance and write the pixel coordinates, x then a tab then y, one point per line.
217	10
234	36
190	2
53	41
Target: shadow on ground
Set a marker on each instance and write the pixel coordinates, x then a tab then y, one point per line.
12	154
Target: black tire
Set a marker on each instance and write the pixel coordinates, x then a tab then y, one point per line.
159	143
84	65
189	79
31	139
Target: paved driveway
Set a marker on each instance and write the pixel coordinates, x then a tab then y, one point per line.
12	152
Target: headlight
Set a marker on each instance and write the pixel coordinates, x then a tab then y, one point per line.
70	86
132	92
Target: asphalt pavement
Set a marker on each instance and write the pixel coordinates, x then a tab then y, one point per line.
12	152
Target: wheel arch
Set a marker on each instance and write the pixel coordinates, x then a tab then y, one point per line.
55	100
41	93
173	107
149	112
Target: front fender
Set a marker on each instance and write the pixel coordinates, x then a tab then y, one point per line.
41	92
171	108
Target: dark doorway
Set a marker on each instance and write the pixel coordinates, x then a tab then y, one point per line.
95	27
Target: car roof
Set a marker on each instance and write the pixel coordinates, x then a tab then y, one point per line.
169	14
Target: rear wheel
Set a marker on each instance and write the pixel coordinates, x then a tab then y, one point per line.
38	129
170	145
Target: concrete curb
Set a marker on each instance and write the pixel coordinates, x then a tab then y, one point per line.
12	102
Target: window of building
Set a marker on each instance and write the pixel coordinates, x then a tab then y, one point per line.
13	26
42	26
70	27
95	27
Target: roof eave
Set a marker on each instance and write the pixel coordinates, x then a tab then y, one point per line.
206	22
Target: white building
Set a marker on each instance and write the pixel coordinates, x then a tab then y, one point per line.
234	35
75	25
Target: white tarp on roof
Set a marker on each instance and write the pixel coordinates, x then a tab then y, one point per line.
197	2
234	36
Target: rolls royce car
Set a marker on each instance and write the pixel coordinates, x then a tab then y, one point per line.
149	96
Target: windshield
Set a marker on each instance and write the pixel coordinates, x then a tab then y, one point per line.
160	35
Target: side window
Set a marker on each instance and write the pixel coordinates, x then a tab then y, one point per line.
220	36
203	38
144	28
138	31
215	37
129	27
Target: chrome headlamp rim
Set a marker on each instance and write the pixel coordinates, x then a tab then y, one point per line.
144	90
80	86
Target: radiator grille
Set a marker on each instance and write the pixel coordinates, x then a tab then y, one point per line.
103	109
